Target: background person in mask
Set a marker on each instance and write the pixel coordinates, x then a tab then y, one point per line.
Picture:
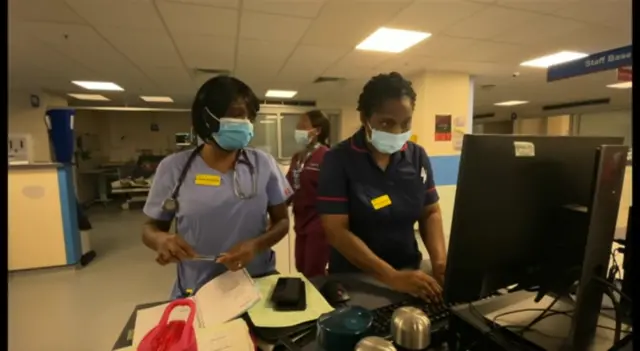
312	248
222	204
374	186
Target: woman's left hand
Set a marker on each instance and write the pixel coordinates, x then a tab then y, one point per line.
239	256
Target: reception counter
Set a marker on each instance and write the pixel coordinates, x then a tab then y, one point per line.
43	223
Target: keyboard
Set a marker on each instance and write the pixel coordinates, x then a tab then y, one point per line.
438	314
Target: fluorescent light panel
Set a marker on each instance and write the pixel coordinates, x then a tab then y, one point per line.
622	85
392	40
89	97
554	59
105	86
156	98
284	94
511	103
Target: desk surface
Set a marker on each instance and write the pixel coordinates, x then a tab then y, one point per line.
547	333
364	291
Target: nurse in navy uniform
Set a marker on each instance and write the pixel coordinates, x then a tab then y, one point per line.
374	186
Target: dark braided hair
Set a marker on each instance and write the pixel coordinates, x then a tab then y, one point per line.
321	121
384	87
217	94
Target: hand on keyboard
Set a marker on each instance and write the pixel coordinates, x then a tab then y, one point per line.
417	284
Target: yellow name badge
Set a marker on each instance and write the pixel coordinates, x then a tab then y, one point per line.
207	180
381	202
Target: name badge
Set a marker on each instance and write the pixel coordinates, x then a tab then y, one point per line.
381	202
207	180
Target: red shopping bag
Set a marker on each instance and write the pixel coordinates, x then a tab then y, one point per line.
173	335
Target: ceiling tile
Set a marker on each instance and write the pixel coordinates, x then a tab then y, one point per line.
207	52
138	14
296	8
490	22
540	6
229	4
357	64
43	10
270	56
82	43
308	62
487	51
336	25
543	30
442	46
203	20
135	44
432	16
605	12
171	79
274	28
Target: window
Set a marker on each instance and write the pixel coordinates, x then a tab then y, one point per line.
275	126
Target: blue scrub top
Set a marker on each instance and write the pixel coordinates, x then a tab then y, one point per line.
351	183
212	219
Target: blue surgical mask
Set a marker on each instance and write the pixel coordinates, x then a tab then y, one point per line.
234	134
302	137
388	143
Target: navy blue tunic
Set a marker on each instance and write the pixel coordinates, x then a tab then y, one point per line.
382	206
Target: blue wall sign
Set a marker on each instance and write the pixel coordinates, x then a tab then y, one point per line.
601	61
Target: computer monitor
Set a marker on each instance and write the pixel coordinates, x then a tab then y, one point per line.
603	215
521	213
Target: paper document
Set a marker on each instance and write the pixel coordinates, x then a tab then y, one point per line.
222	299
231	336
263	314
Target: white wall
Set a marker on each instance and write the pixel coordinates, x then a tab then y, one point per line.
613	123
24	119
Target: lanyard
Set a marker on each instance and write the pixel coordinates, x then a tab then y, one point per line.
299	165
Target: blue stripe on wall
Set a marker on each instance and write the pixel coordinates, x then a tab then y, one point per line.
68	204
445	169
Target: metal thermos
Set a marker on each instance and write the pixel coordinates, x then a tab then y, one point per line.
410	328
374	343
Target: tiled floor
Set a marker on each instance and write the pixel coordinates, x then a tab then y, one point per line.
84	309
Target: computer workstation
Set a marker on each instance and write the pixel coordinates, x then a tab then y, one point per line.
536	216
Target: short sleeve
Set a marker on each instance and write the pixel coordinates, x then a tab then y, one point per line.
278	187
431	193
332	185
161	188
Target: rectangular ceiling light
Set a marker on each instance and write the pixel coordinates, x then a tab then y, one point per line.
105	86
392	40
89	97
623	85
554	59
156	98
284	94
511	103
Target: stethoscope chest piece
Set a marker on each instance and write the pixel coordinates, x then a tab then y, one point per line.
170	205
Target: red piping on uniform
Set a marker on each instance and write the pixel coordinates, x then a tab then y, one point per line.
326	198
353	146
431	189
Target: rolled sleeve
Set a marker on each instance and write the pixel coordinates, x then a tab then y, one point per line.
431	193
278	187
161	189
332	185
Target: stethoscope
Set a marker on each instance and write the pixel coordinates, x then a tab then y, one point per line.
172	205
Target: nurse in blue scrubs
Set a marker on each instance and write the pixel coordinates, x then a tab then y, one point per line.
219	194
